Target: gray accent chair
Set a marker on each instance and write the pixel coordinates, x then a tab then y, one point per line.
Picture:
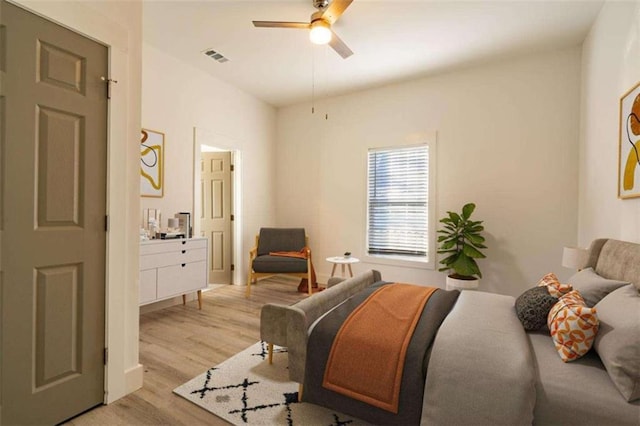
262	264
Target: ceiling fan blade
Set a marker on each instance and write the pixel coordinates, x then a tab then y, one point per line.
277	24
339	46
335	9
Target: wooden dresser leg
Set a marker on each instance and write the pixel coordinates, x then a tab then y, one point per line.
270	351
200	299
184	299
300	392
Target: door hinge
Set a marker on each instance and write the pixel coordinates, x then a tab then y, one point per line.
106	355
106	223
233	218
233	267
232	167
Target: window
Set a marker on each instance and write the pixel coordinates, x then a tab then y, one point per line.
399	218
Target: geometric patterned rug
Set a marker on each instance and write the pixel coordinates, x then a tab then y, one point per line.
246	390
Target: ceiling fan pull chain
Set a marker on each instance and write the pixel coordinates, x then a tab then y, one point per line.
313	81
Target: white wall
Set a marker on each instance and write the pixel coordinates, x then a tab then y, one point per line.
178	97
118	25
507	140
610	67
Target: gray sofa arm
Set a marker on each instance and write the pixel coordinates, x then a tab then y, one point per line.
334	280
273	324
303	314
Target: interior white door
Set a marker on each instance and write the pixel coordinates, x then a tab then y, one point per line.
215	216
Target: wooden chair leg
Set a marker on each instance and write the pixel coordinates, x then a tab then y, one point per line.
310	286
247	292
184	299
200	299
270	351
300	392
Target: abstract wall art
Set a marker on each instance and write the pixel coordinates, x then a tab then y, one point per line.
151	163
629	148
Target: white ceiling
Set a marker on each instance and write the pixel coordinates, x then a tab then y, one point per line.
392	40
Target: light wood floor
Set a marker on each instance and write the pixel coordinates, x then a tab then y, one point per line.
180	342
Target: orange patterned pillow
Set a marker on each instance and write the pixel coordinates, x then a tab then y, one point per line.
553	285
573	326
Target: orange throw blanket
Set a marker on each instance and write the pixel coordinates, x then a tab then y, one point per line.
368	353
302	254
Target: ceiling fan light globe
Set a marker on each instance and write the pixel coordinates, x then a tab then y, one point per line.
320	33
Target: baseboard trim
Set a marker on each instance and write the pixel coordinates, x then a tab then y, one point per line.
133	378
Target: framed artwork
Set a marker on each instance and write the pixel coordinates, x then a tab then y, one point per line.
629	148
151	163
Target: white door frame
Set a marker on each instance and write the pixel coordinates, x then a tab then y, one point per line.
122	375
206	137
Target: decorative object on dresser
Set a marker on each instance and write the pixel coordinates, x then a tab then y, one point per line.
170	268
184	223
460	240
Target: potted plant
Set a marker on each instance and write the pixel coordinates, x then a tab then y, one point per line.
460	241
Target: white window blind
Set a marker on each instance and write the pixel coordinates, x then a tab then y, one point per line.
398	201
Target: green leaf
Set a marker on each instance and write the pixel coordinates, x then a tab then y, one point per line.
475	229
474	238
471	251
447	251
464	265
450	259
455	217
448	244
467	210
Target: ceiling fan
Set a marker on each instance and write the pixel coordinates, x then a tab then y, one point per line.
319	25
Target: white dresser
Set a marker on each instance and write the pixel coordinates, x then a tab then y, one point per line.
170	268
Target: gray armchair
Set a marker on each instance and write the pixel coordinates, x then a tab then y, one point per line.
263	263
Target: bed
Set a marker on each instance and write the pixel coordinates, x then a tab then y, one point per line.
481	366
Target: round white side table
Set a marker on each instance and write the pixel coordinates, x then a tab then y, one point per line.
342	261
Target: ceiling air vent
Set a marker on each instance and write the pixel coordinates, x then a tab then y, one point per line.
216	55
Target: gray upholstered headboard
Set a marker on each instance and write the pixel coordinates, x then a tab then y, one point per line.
614	259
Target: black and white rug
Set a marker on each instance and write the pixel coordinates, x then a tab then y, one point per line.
247	390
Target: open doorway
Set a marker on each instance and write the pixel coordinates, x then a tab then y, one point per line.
217	202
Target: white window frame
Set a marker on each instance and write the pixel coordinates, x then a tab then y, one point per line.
430	261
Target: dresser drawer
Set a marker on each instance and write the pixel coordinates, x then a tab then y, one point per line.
179	279
177	257
167	246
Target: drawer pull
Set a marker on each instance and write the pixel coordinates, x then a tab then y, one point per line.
184	264
184	251
184	242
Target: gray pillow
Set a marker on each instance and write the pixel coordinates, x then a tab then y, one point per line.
618	339
593	287
533	306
